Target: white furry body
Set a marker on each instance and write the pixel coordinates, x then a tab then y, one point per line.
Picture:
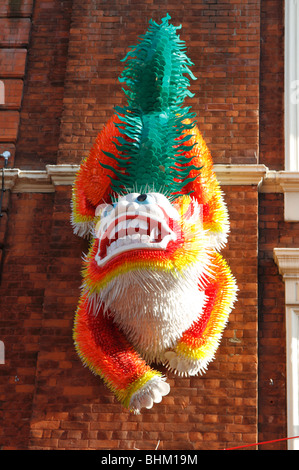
154	309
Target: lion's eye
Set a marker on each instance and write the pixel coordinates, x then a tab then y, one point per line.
104	209
145	199
108	209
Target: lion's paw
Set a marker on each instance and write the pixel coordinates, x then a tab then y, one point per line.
182	365
152	392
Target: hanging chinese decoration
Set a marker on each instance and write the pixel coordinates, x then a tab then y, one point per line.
155	288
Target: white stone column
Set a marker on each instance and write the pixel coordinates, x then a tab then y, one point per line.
291	85
287	260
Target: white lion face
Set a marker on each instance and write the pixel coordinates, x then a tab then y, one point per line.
135	222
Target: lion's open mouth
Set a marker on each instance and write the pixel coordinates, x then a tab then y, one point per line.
131	231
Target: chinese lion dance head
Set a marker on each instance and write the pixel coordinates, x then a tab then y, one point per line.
155	288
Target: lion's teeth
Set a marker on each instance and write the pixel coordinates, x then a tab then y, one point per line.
137	223
128	224
135	237
154	233
120	226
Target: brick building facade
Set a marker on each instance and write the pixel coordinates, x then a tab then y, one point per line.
59	63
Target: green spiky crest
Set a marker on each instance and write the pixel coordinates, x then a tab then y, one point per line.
153	118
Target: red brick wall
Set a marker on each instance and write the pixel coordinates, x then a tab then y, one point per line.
273	232
23	282
15	27
223	42
44	86
14	31
272	85
16	8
